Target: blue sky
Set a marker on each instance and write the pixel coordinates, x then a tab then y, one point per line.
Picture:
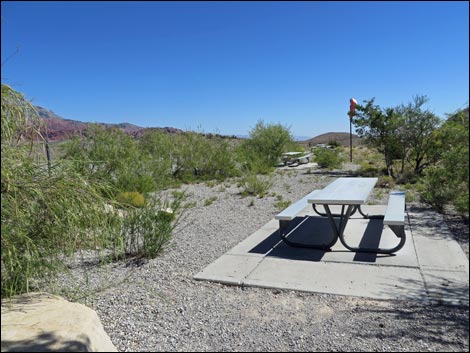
223	66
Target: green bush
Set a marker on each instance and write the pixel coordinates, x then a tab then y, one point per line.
368	169
48	211
256	185
385	181
146	230
446	182
196	157
281	205
131	198
263	150
53	211
328	158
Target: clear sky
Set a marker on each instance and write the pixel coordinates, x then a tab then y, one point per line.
222	66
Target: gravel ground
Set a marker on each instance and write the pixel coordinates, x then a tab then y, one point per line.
155	305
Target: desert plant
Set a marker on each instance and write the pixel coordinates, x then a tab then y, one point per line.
254	184
131	198
328	158
280	204
385	181
447	181
147	229
210	201
263	150
48	212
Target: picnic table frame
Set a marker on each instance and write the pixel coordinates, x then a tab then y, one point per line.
350	194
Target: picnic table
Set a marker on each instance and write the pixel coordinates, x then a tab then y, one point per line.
296	157
349	193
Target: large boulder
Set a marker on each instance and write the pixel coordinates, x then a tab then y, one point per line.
41	322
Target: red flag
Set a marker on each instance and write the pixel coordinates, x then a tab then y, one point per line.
352	107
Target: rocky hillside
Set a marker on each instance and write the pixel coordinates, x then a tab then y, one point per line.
341	138
59	128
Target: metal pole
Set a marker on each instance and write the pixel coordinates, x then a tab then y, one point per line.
350	140
352	109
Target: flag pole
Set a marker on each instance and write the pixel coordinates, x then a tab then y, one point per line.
352	108
350	139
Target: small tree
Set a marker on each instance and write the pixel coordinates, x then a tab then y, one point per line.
379	126
416	134
266	145
447	180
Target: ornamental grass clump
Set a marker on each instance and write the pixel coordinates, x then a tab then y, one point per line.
147	229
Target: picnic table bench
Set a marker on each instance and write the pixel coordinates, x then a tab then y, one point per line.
350	194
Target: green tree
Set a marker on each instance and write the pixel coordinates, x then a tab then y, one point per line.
447	180
416	134
379	128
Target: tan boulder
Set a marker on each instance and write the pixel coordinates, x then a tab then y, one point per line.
43	322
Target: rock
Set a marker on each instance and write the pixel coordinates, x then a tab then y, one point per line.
40	322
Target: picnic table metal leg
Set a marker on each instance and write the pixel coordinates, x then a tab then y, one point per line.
343	218
356	208
366	216
399	232
333	214
284	236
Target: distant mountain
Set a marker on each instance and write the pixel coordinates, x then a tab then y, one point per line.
59	128
341	138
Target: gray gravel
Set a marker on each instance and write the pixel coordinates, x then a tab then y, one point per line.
155	305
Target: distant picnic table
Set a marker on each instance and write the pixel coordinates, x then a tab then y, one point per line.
290	158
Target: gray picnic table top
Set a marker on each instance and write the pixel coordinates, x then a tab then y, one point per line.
344	191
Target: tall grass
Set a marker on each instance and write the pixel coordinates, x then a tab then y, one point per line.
52	211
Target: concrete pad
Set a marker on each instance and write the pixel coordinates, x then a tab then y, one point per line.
272	224
338	278
258	244
367	233
447	286
431	266
229	269
440	254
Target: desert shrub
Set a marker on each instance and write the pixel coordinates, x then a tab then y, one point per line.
385	181
406	177
196	157
280	204
210	201
131	198
147	229
106	154
435	188
447	181
369	169
53	211
328	158
48	211
137	179
333	143
264	148
254	184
